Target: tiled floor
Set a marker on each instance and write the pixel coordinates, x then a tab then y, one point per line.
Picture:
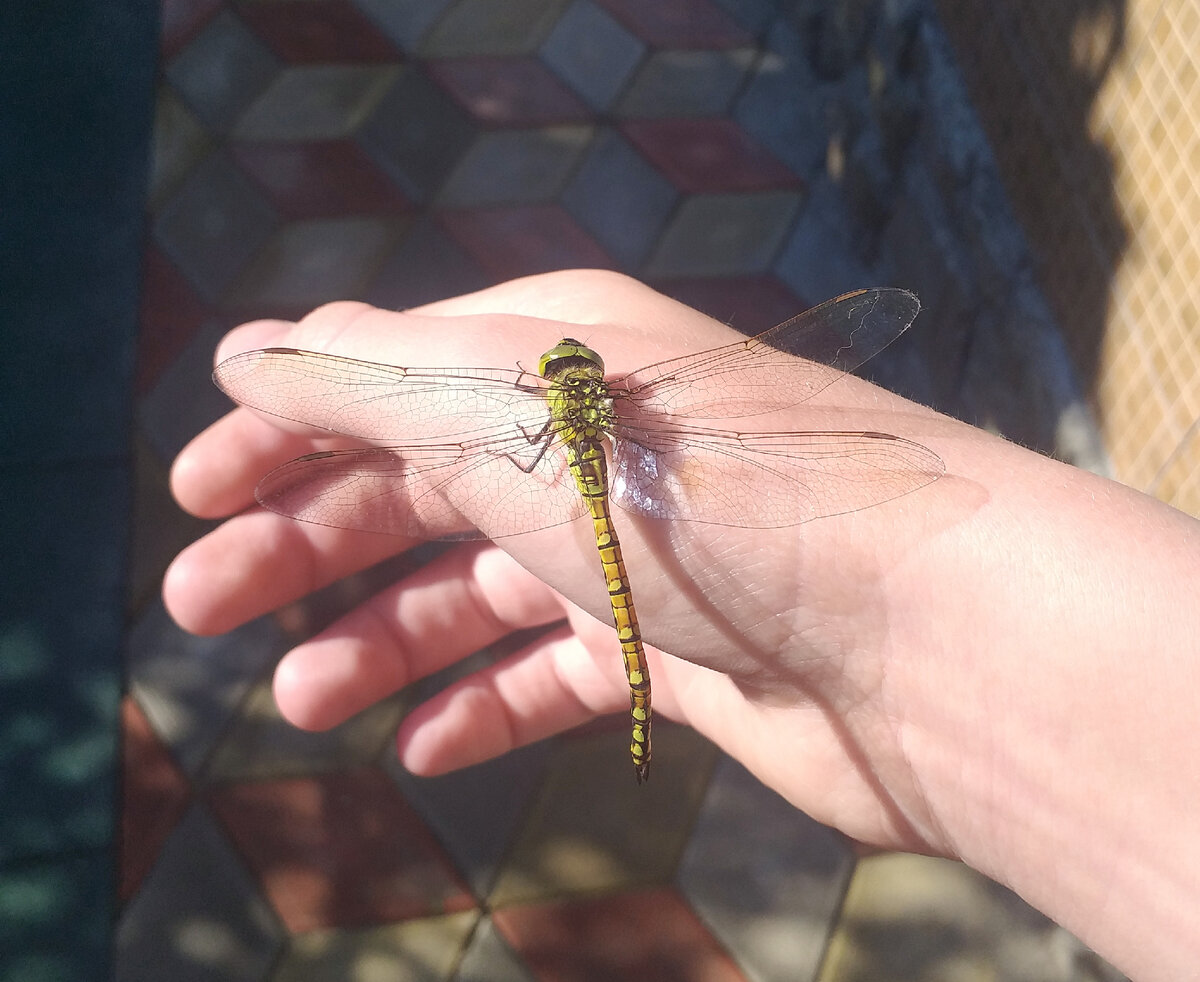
399	152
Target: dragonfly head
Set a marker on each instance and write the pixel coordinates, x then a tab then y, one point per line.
568	354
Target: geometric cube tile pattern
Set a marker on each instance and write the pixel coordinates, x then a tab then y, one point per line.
313	150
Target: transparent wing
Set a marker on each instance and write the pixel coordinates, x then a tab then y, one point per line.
764	480
765	373
370	401
429	492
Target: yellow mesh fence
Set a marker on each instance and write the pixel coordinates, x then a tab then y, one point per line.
1093	109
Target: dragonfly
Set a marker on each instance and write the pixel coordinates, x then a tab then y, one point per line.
472	453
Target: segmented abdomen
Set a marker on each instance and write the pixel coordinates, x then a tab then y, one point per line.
590	470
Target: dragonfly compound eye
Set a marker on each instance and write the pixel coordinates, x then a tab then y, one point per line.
567	354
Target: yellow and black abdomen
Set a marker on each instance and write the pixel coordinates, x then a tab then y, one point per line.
581	409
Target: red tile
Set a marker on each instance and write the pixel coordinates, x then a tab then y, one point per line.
508	91
154	794
171	313
320	180
652	936
518	241
678	23
339	850
317	31
708	155
751	304
181	21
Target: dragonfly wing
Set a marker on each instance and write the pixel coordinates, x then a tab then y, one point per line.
782	367
428	492
371	401
765	480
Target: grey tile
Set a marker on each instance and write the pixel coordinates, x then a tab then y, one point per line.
316	102
421	950
592	53
767	879
214	224
784	106
260	743
725	234
312	262
198	915
406	23
686	83
821	257
180	141
417	134
515	166
191	687
587	798
618	197
485	27
918	917
489	959
222	70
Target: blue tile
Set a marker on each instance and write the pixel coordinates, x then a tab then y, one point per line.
784	106
222	71
59	646
416	134
184	400
214	225
198	915
475	836
765	877
404	23
821	258
515	166
725	234
686	83
55	917
427	265
592	53
753	15
618	197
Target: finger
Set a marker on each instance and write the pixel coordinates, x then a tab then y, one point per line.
258	561
549	686
215	474
576	296
264	333
458	604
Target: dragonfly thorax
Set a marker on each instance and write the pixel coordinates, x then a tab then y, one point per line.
579	398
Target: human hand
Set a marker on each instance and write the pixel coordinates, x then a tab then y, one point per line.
947	672
726	599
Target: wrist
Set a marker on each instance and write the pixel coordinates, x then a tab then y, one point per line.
1048	721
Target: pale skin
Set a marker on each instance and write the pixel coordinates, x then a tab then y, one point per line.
1000	667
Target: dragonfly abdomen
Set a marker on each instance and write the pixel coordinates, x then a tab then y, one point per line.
590	470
